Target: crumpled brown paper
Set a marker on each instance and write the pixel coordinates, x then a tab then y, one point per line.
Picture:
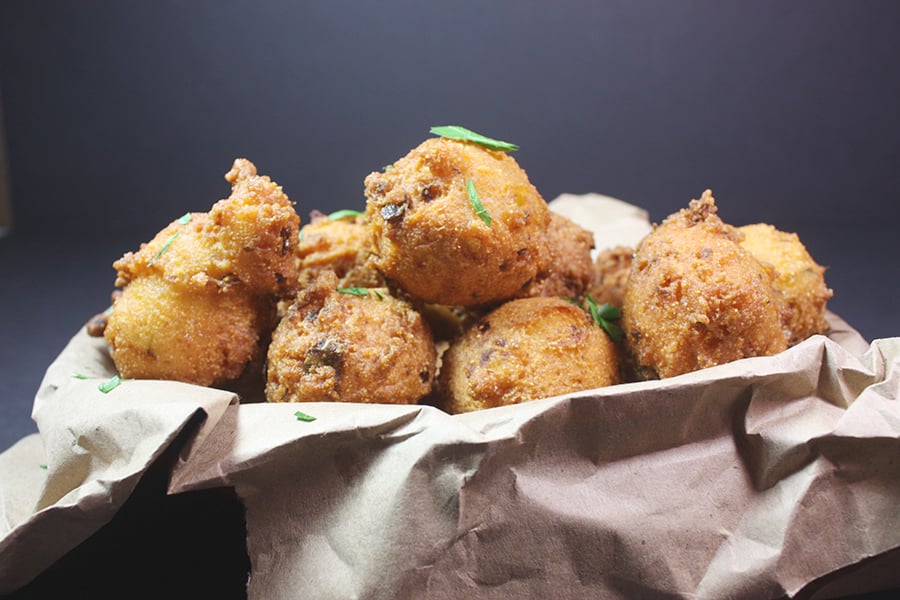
749	480
94	448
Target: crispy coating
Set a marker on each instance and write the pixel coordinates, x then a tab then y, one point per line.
696	298
249	237
527	349
569	269
797	276
610	275
342	347
343	246
428	238
199	300
207	337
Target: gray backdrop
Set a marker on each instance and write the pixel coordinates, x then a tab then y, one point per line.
122	115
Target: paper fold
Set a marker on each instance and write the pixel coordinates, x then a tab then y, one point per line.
94	448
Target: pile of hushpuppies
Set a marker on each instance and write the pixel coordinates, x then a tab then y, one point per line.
457	286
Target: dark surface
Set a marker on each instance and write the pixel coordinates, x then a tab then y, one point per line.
189	545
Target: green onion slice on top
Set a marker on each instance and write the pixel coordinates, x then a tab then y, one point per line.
461	133
477	206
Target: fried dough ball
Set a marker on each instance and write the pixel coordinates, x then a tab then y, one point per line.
797	276
527	349
199	299
569	270
431	242
611	269
249	237
696	298
207	337
344	347
341	245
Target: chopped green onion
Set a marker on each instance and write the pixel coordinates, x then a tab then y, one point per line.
302	416
79	376
360	291
164	248
476	203
461	133
182	220
44	467
344	214
355	291
109	385
604	315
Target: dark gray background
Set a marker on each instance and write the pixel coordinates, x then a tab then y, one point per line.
122	115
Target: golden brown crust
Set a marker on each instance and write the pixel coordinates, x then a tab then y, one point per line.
428	238
527	349
343	246
340	347
569	269
798	277
695	298
249	237
199	299
207	337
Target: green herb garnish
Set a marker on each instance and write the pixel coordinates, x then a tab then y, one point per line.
345	214
360	291
182	220
110	384
44	467
79	376
461	133
604	315
355	291
302	416
476	203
